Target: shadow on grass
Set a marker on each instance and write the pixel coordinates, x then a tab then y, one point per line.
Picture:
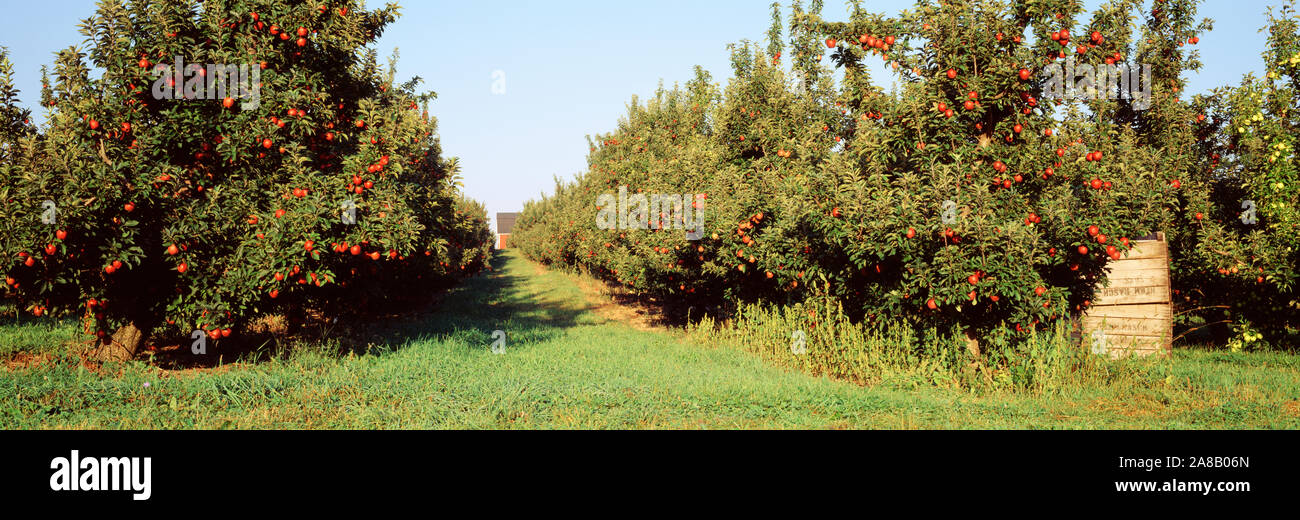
465	314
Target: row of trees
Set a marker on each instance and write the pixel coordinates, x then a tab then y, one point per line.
978	196
1239	267
156	200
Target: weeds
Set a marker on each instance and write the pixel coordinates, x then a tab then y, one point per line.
898	355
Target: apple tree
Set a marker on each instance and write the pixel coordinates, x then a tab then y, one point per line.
983	195
1237	272
232	159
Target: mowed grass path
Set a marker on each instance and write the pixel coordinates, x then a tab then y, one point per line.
567	366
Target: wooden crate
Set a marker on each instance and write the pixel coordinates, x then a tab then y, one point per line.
1134	315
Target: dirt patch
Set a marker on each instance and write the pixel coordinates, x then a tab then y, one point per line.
23	360
1291	409
28	361
168	360
180	373
1133	407
1138	406
614	303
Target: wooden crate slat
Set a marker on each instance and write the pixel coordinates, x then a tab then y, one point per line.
1124	346
1138	277
1146	310
1136	353
1146	249
1132	295
1127	326
1144	263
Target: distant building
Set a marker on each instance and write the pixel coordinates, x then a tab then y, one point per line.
505	224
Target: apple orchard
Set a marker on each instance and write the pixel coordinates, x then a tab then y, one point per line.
974	198
147	215
969	200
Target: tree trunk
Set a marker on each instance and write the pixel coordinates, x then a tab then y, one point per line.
123	345
294	317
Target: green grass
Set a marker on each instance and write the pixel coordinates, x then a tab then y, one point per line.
566	366
31	335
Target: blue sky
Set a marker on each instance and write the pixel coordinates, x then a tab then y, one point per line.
570	67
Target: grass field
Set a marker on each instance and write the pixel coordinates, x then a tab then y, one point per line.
573	360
